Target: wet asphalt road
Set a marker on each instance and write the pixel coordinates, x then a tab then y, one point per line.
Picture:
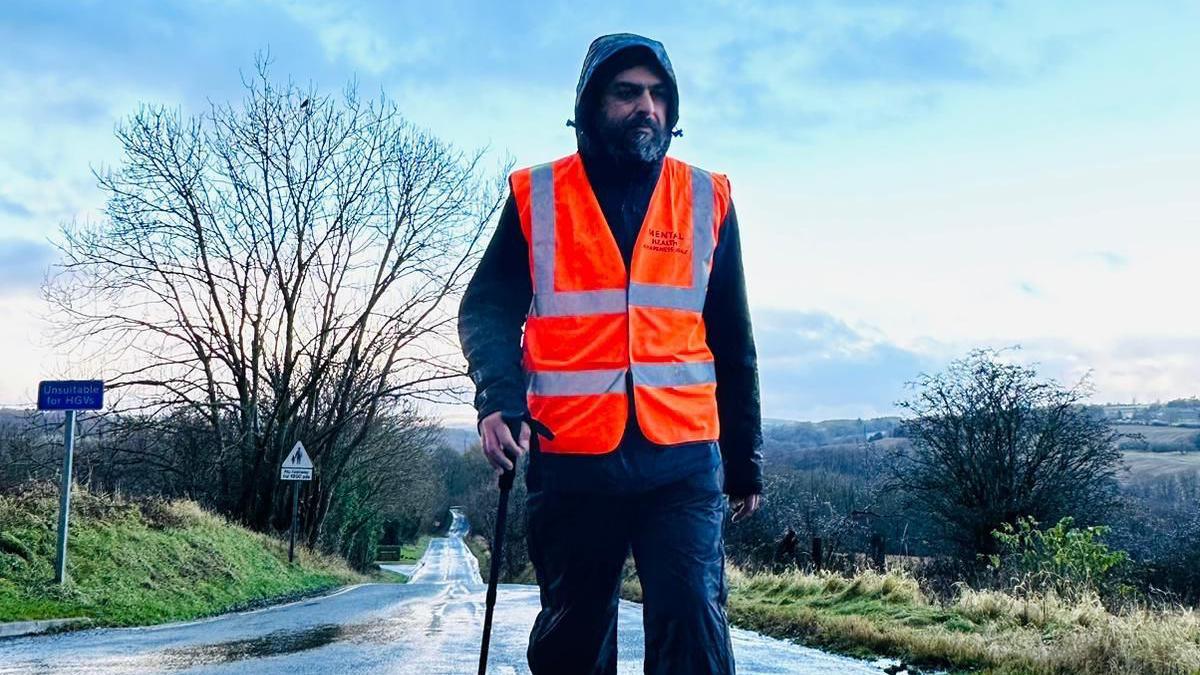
429	626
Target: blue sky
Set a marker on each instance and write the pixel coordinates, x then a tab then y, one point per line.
913	179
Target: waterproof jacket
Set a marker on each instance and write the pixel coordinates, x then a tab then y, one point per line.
496	302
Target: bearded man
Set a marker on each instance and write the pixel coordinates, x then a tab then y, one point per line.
607	325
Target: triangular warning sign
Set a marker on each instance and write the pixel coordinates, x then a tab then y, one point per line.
297	458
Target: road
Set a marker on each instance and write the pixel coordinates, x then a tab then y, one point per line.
429	626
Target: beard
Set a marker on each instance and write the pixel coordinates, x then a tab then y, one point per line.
639	139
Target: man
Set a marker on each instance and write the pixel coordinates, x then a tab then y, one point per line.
623	267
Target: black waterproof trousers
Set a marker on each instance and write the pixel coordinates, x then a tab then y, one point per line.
578	543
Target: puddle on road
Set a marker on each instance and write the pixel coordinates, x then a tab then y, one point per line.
283	642
271	644
396	630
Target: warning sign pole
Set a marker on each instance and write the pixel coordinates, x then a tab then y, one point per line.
295	516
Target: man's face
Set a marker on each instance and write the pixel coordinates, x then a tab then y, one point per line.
633	114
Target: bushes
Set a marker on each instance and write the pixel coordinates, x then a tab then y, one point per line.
993	441
1070	561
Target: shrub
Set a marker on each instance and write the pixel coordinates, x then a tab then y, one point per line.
1070	561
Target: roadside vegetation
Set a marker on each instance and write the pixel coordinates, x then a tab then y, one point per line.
1056	604
480	547
402	554
136	562
992	631
412	552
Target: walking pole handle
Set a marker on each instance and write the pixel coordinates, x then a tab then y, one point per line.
537	430
506	478
506	483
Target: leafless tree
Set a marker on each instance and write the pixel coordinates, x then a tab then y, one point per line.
992	442
274	270
392	478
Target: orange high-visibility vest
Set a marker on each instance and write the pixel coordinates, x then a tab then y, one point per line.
591	323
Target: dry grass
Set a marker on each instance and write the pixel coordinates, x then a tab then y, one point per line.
871	614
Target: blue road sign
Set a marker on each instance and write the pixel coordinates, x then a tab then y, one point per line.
71	395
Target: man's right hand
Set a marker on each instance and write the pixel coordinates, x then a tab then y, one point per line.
499	446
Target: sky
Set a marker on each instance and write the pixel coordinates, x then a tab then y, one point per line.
913	179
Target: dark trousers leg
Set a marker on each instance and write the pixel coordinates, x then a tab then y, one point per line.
680	555
578	544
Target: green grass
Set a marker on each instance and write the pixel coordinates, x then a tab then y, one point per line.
389	577
403	554
144	562
478	546
873	614
411	553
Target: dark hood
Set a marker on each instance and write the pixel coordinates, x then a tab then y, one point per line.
601	52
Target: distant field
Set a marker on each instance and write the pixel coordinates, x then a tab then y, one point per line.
1161	435
1159	463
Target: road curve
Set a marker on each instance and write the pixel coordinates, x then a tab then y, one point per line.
429	626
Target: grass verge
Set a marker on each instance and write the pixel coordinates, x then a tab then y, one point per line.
143	562
411	553
873	614
478	546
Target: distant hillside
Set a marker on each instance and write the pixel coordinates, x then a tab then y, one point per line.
1158	464
852	447
1156	438
1180	412
460	437
13	415
828	432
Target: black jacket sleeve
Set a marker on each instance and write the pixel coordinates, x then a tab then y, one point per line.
727	324
491	317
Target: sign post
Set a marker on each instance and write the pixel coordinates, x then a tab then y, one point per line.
295	517
69	396
296	467
64	498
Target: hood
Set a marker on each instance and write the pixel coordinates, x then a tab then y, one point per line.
602	51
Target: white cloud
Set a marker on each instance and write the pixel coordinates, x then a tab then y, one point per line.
909	205
361	40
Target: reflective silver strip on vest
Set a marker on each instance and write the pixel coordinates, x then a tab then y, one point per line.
575	382
546	300
674	374
590	382
703	245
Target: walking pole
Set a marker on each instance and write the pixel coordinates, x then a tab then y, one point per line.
506	483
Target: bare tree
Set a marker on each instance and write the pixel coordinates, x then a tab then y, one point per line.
391	478
274	270
991	442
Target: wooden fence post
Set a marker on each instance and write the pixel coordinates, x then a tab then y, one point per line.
877	548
